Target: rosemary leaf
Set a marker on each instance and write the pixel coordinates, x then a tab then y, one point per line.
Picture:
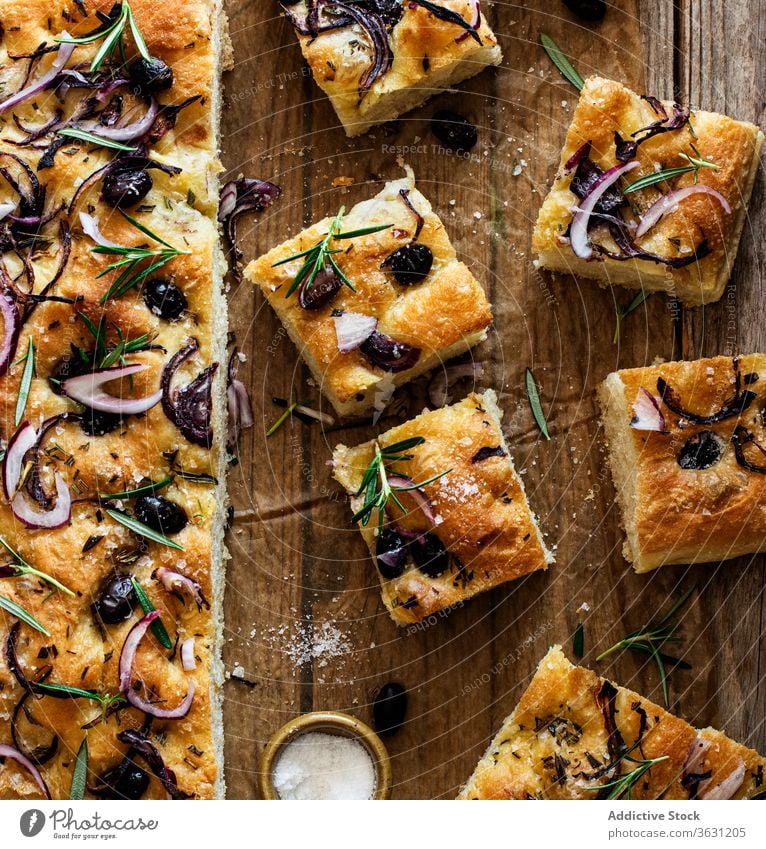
93	138
24	615
534	402
141	529
578	643
80	772
26	382
158	628
561	62
281	420
147	489
695	164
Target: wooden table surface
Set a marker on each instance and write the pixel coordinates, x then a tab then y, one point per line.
299	571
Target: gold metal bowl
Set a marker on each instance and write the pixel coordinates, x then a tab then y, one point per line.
329	722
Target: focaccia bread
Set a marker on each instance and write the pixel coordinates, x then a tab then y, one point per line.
85	460
377	59
574	735
466	531
391	326
688	251
686	448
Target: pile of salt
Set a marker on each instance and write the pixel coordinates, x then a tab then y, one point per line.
317	765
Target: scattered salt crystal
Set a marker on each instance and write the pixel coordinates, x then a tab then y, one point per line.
316	765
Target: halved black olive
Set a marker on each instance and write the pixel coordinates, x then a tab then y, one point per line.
117	600
161	514
588	10
151	75
164	298
410	264
430	555
389	708
322	290
454	131
122	188
98	423
391	553
126	781
701	451
383	351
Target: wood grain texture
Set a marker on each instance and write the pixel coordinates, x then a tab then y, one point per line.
296	561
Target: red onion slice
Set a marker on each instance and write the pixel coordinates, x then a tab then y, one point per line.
352	329
127	659
6	209
727	788
11	327
669	203
578	232
695	758
422	500
475	21
90	227
62	57
188	661
23	761
175	582
648	412
22	441
86	389
128	132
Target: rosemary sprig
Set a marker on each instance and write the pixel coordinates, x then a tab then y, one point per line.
158	628
561	61
141	529
105	700
112	33
146	489
696	163
319	256
21	567
651	638
133	265
376	486
26	381
106	357
23	614
92	138
621	313
80	771
535	404
281	420
622	786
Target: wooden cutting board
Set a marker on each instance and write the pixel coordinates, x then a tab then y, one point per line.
304	624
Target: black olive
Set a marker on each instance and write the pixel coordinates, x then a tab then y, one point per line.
98	423
324	288
411	263
701	451
125	781
164	298
151	75
588	10
389	708
68	367
430	556
117	600
391	553
454	131
160	514
122	188
383	351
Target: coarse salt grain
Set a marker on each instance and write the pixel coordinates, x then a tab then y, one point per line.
323	766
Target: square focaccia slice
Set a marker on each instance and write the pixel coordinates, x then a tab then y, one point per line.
686	448
467	529
574	735
679	235
378	59
412	306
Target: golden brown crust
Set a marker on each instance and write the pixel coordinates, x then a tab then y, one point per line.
182	210
606	107
482	514
556	742
685	515
444	315
429	54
